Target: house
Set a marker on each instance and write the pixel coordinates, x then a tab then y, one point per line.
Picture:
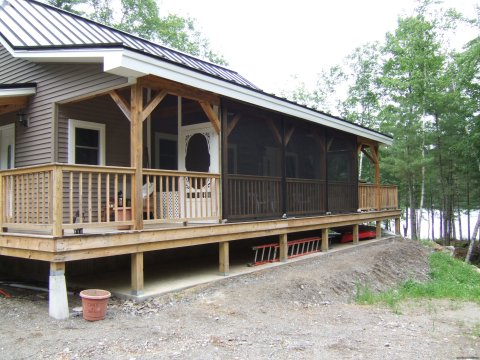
111	144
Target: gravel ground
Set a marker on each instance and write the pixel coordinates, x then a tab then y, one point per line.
303	310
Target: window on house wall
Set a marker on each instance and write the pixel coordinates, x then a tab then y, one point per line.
86	142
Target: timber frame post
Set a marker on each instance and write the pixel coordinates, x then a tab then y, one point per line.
136	153
374	157
57	204
397	226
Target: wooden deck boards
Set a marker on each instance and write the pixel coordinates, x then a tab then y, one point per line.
112	242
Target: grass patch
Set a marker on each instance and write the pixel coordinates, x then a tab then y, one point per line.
449	279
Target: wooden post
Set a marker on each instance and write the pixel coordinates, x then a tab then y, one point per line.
224	260
283	247
379	229
324	239
2	204
57	206
355	234
136	154
137	273
397	226
57	292
378	197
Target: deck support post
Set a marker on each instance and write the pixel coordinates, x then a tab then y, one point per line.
325	239
224	258
355	234
378	226
137	273
283	248
136	153
397	226
57	292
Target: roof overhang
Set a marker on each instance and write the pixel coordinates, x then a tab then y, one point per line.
131	64
14	97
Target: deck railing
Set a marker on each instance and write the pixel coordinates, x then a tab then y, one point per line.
367	197
251	196
59	197
306	196
173	196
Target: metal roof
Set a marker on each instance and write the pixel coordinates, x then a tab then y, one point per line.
28	25
31	28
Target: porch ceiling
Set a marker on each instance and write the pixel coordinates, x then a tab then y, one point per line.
14	97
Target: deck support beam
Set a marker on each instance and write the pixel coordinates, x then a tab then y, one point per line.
397	226
378	226
283	247
224	258
325	239
137	273
57	292
355	234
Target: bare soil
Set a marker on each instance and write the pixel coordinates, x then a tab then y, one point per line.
303	310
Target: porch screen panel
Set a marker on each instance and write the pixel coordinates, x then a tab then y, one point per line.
253	186
304	168
341	172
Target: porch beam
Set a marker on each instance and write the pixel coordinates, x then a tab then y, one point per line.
174	88
153	104
123	104
212	116
137	276
224	258
5	109
289	134
276	133
136	155
233	124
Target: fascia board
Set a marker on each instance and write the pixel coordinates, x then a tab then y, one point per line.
132	61
17	92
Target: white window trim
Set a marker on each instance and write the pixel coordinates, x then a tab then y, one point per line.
72	125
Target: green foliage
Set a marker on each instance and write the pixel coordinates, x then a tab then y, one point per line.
142	18
449	279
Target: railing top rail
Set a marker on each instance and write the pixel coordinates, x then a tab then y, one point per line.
300	180
253	177
97	168
180	173
373	185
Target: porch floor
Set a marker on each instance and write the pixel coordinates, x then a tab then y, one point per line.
164	278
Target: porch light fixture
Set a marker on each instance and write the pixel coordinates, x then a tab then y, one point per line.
22	118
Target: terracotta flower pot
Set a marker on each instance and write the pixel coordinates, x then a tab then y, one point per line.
94	303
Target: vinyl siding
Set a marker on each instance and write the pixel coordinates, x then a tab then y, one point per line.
56	83
103	110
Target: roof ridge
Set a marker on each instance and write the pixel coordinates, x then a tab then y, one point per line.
150	42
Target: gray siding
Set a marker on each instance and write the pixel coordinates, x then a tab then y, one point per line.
101	110
55	83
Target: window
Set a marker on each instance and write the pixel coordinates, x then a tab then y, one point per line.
86	142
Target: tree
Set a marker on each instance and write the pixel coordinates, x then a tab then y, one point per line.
142	18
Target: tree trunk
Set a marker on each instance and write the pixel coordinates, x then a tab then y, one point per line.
459	214
472	240
413	215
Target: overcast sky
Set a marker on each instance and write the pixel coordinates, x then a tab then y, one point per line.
268	41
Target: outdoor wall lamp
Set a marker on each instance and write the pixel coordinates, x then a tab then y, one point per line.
22	118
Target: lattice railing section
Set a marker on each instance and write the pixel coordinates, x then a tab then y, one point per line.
264	254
